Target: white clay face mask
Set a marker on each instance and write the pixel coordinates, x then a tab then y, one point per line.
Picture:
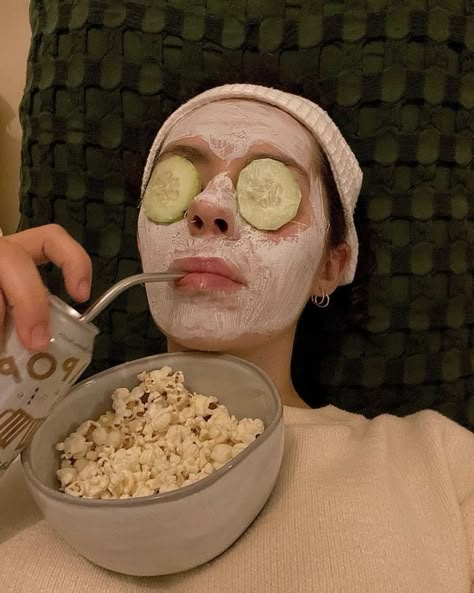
230	128
278	269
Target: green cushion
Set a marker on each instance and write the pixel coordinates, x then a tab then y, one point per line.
396	77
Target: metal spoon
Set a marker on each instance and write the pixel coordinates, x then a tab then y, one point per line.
109	295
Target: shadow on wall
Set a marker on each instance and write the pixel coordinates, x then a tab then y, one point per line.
10	147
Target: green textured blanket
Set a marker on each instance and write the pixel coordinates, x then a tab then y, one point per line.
397	77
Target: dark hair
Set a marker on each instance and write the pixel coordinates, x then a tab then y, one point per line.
337	220
319	331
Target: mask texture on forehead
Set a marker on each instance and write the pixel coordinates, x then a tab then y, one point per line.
230	129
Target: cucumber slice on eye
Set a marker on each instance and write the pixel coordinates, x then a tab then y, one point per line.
173	184
268	194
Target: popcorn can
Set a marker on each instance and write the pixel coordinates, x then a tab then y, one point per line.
32	383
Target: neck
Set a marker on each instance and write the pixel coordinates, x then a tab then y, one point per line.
273	357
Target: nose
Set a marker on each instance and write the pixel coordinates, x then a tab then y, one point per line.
213	212
208	218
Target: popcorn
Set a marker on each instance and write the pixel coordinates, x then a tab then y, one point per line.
221	453
159	437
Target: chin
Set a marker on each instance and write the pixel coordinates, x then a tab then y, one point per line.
213	344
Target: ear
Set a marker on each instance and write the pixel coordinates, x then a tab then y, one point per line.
138	244
331	270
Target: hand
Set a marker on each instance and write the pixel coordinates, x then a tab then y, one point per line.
21	286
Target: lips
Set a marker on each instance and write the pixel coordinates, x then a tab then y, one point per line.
207	274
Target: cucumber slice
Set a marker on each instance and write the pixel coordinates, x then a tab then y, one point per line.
173	184
268	194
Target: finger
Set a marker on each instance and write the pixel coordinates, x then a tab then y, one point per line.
52	243
25	292
3	313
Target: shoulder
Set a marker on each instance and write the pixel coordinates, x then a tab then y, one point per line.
425	420
427	428
425	443
429	423
435	438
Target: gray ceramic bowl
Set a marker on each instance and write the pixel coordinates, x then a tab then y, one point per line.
176	530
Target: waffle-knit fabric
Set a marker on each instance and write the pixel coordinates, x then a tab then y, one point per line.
397	79
360	506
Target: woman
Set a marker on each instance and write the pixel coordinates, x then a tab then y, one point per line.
382	505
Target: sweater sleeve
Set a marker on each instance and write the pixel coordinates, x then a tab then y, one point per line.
459	443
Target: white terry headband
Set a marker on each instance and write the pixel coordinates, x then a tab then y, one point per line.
344	165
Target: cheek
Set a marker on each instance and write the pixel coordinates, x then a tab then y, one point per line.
311	213
304	218
154	242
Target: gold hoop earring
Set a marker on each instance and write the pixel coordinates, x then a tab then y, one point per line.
321	301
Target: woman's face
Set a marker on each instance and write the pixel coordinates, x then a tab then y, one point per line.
243	286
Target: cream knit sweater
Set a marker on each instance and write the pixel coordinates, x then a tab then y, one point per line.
379	506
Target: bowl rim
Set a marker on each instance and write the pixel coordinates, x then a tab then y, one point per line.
183	491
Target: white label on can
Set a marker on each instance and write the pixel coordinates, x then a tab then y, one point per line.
32	383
